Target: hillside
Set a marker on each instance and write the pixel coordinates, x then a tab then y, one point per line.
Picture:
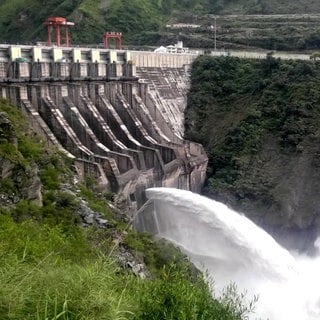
67	252
259	122
143	22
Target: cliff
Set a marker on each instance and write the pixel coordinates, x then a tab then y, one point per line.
258	121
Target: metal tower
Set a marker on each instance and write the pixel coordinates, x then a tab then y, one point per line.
59	24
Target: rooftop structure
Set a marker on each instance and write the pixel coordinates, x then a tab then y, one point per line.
176	48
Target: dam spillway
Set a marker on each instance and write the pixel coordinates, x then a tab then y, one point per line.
118	114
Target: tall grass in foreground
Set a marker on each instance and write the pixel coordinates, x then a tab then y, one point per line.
51	291
46	273
50	273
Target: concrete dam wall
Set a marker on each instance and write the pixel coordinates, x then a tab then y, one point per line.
120	122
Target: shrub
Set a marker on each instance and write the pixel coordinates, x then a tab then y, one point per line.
173	296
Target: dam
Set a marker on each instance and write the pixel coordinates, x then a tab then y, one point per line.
118	114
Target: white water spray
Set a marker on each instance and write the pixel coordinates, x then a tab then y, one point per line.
233	249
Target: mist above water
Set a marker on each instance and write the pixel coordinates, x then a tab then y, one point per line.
232	249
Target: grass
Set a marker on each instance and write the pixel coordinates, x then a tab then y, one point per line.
48	273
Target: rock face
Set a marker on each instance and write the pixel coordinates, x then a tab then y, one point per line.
18	181
280	192
32	187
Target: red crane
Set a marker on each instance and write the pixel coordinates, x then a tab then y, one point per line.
112	35
58	23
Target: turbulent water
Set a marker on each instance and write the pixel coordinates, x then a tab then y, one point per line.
232	249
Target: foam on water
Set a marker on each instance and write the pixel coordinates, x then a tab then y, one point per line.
233	249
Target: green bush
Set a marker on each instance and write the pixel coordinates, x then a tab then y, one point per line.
50	177
156	254
173	296
96	201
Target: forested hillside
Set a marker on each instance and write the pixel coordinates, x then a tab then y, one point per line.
259	122
143	22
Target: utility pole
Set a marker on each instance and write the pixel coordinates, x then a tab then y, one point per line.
215	33
214	29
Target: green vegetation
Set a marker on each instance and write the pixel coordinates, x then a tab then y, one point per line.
170	297
11	137
251	32
51	273
48	273
134	16
253	117
52	268
157	254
